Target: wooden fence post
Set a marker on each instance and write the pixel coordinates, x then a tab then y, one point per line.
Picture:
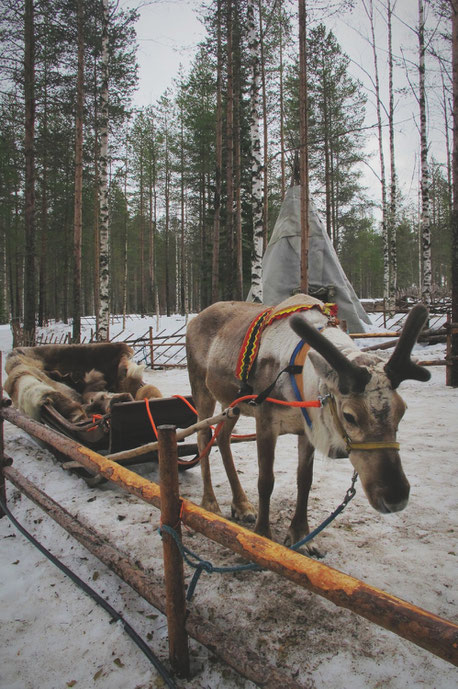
151	346
173	561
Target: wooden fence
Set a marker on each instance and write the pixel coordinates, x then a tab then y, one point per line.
424	629
168	350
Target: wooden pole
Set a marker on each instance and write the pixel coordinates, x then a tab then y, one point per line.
303	152
173	561
151	346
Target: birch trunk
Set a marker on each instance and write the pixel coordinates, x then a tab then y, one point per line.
125	241
167	218
282	112
265	136
452	377
392	217
104	256
425	177
78	206
257	167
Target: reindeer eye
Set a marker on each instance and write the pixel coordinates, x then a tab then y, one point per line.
350	418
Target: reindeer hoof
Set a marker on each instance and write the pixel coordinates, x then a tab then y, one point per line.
312	548
211	506
244	512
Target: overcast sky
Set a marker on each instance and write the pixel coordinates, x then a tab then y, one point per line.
169	31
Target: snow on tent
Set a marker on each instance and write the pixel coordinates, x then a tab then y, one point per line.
327	280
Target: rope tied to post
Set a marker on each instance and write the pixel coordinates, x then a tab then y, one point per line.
200	565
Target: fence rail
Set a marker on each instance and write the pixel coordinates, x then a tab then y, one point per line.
424	629
168	350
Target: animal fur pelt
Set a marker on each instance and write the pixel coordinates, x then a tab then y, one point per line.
77	380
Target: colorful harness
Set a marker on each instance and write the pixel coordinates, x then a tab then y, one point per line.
252	341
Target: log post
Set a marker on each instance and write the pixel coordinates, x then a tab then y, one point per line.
173	562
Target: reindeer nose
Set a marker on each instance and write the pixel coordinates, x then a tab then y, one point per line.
386	507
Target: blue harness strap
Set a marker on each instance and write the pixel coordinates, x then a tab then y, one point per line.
305	414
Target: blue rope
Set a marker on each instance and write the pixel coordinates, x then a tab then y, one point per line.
201	565
292	379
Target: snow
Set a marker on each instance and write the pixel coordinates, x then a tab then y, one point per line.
53	636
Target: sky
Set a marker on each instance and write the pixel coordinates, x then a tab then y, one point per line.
169	31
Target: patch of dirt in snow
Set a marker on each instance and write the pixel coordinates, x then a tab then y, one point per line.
411	554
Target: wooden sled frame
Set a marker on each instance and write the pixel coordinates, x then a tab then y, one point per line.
128	426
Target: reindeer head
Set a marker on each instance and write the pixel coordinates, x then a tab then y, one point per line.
367	408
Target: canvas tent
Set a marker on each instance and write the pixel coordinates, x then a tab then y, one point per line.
281	264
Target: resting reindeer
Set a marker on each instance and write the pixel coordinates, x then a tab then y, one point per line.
360	417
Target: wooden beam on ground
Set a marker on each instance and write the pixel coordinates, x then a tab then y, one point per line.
424	629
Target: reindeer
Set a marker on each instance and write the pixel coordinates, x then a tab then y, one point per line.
360	411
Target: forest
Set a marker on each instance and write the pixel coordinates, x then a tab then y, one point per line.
106	207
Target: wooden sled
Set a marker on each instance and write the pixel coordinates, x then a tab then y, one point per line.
128	426
47	383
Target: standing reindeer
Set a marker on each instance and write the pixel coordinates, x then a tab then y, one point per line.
359	416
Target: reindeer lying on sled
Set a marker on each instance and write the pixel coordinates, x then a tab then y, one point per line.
360	409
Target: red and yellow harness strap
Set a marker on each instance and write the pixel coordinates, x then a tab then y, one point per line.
250	345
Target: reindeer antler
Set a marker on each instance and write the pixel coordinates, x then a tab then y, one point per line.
400	366
352	378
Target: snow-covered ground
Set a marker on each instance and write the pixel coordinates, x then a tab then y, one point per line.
52	636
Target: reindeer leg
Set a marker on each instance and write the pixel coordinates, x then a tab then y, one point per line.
206	406
266	440
299	524
241	508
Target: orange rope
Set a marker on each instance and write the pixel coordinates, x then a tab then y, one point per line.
150	416
304	403
187	402
95	418
217	430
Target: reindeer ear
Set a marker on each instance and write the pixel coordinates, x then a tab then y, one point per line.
323	369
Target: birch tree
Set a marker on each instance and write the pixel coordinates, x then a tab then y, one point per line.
392	215
257	167
452	377
104	255
425	217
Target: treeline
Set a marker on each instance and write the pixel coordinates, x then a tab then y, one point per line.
182	171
